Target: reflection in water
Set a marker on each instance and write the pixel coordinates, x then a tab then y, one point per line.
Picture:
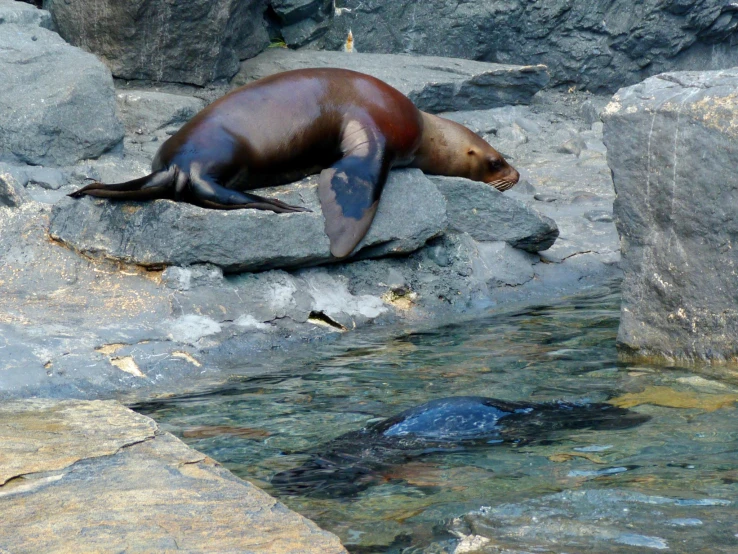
616	490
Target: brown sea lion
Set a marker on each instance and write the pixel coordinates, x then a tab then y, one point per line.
350	127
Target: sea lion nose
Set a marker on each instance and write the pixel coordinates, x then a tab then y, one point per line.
514	176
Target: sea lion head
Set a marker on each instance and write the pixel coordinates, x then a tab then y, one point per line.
489	166
448	148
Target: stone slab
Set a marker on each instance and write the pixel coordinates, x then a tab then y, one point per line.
434	84
95	476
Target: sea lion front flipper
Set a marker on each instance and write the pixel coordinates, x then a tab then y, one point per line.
349	191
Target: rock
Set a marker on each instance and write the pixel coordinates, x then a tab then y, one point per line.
543	197
599	45
20	13
12	193
46	178
599	216
672	148
194	42
144	111
303	32
165	233
433	84
302	20
67	466
292	11
500	265
58	101
489	215
574	146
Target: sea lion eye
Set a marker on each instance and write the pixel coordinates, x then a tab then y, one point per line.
494	163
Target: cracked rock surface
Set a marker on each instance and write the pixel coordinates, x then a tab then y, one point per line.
95	476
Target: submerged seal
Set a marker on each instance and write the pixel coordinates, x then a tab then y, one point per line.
349	126
354	461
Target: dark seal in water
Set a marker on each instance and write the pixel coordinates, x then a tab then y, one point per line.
352	462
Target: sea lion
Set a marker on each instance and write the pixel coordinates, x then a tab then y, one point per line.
354	461
350	127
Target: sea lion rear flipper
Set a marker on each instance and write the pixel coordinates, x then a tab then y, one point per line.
158	184
349	191
210	194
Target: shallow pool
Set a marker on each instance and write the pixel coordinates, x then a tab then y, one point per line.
670	484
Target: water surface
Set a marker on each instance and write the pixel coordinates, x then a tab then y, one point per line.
667	485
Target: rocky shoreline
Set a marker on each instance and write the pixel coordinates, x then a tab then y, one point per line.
106	298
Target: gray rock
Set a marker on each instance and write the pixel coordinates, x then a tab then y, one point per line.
302	20
599	216
672	148
599	45
304	31
12	193
194	42
46	178
500	265
489	215
66	466
165	233
292	11
57	101
572	146
20	13
433	84
145	111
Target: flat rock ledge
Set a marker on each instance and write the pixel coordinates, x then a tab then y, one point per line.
672	148
434	84
95	476
163	233
412	210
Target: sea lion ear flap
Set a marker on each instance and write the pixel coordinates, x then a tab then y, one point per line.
349	195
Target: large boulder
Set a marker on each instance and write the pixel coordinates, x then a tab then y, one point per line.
672	146
186	42
165	233
597	44
433	84
57	104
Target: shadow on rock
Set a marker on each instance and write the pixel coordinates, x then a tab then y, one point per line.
355	461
